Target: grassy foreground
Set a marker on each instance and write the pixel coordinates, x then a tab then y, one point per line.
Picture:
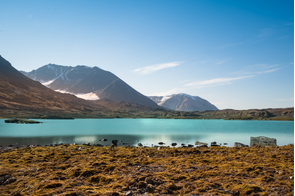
87	170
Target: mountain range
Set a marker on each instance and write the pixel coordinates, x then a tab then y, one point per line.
93	83
21	96
183	102
89	83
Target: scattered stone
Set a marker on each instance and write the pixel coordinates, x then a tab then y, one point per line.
139	145
201	143
150	188
238	144
129	193
214	144
262	141
142	184
174	144
114	142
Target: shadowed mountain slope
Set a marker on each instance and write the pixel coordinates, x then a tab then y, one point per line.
19	92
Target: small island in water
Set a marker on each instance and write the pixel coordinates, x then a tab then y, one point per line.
21	121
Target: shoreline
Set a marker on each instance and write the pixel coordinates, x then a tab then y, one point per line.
13	147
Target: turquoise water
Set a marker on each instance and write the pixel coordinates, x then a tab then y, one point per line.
145	131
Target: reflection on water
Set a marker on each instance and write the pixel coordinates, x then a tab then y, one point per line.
126	140
146	131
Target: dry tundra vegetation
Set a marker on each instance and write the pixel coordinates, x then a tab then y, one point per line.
88	170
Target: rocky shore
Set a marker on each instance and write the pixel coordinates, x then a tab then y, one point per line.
90	170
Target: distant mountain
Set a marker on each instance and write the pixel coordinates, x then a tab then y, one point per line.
183	102
89	83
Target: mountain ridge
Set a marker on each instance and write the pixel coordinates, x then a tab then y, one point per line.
183	102
83	80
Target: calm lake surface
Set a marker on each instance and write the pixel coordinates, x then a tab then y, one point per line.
145	131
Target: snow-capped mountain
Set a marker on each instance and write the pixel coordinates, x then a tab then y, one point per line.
88	83
183	102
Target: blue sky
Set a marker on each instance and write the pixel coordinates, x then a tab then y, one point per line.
235	54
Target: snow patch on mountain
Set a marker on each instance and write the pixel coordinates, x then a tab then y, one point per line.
164	99
47	83
86	96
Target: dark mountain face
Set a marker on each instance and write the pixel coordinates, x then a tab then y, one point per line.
18	92
184	102
22	96
83	80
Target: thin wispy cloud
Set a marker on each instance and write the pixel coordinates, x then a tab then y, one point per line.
230	45
169	92
222	61
258	69
290	99
215	82
263	33
153	68
271	70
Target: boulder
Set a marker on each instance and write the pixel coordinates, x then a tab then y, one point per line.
201	143
238	144
214	144
139	145
262	141
115	142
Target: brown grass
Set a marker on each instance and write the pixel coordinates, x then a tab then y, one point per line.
87	170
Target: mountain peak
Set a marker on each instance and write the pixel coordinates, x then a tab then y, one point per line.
88	80
183	102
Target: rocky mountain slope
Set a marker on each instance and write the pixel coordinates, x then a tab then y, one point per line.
19	92
22	97
183	102
88	83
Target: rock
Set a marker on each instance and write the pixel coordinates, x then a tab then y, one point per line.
200	143
190	145
142	184
104	140
161	143
238	144
115	142
139	145
262	141
129	193
214	144
150	188
174	144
